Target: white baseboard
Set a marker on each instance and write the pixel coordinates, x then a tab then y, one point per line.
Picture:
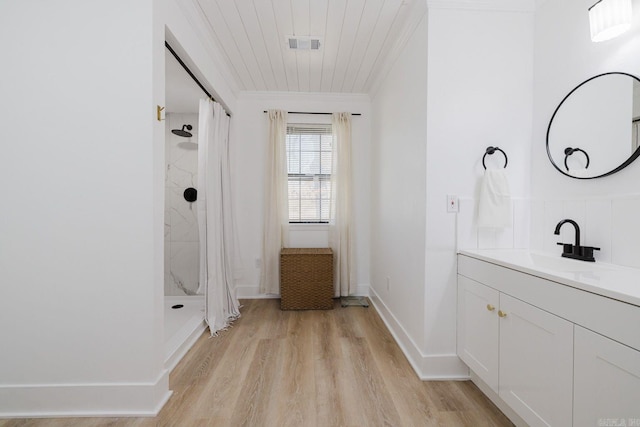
253	292
427	366
85	400
185	345
495	398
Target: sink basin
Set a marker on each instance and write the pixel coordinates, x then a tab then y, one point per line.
610	280
563	264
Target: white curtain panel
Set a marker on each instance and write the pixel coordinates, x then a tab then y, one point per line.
215	217
276	203
340	223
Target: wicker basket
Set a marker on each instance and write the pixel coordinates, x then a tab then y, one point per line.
306	279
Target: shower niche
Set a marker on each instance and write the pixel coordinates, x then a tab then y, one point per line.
181	264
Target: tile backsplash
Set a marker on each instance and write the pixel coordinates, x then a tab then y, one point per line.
469	236
610	223
625	231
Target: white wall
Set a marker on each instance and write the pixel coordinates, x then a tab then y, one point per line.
398	199
249	128
81	166
464	82
605	208
480	94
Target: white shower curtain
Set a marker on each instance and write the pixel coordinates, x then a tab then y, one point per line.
276	203
215	219
340	223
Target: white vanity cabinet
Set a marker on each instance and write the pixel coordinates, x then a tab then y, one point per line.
607	381
536	363
555	354
534	350
478	334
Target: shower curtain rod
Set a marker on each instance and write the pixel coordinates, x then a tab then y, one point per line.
195	79
325	114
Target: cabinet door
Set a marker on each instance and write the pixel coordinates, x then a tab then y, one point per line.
606	382
478	329
536	363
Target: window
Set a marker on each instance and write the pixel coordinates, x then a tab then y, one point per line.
309	164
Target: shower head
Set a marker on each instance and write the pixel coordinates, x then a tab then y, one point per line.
182	132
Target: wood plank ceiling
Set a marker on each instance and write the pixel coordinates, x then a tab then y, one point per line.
356	38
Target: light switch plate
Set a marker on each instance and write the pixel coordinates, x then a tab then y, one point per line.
452	204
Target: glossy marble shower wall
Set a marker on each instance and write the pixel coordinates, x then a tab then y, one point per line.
181	243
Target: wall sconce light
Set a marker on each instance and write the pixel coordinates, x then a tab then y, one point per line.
609	19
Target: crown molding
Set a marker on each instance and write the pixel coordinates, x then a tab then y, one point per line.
492	5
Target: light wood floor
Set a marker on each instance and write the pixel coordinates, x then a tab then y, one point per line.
338	367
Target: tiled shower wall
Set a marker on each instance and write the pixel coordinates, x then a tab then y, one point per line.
181	243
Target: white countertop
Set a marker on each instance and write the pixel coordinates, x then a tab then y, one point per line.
609	280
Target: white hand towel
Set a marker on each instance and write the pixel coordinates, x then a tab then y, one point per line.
494	205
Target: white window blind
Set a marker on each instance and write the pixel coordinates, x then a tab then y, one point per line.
309	162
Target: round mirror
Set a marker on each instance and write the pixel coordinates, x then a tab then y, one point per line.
594	131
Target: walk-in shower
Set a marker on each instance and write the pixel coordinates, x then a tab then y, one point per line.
181	238
185	324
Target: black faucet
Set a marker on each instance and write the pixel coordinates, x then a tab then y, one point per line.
583	253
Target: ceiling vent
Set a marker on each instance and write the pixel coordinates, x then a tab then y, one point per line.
303	43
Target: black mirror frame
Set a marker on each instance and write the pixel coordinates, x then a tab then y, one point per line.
626	163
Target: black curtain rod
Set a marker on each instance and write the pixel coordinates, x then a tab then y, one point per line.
325	114
195	79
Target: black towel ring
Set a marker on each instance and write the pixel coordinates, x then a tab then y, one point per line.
569	151
490	151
